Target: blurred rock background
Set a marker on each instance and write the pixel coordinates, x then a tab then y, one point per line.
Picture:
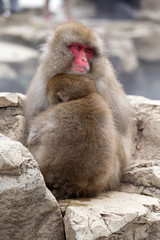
130	30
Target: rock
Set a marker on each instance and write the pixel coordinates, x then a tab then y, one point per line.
14	53
28	210
147	45
144	36
12	79
147	123
9	99
143	178
115	215
123	55
17	65
12	122
6	71
24	34
147	112
143	175
150	15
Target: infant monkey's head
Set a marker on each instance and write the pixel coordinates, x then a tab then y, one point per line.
66	87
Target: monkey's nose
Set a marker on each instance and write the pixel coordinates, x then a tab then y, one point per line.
84	59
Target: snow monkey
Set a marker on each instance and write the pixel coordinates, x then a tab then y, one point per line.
77	51
74	140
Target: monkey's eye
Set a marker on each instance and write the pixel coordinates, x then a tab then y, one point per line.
89	50
77	47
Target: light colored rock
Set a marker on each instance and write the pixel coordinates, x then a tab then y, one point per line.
16	53
147	119
9	99
145	36
116	215
150	15
147	45
148	114
125	53
12	122
7	72
26	33
143	175
28	210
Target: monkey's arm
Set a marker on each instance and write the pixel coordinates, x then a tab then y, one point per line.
36	100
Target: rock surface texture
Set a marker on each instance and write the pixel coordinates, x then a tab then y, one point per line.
116	215
143	175
12	120
28	210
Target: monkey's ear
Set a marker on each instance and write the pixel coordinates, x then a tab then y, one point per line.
62	96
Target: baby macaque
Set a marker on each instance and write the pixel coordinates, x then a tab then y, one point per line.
75	141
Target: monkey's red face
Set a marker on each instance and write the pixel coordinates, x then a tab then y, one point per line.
82	57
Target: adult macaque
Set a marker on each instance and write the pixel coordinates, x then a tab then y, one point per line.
74	49
75	141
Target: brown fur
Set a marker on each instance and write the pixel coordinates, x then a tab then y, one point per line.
65	87
56	59
74	141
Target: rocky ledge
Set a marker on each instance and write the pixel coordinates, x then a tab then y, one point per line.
28	210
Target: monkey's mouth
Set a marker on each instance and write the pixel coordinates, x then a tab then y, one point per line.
81	69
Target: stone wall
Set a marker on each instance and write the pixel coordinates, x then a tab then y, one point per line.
28	210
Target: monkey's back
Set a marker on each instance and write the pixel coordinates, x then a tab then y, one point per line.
81	140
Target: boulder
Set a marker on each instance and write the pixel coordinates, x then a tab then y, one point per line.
116	215
14	53
143	175
12	122
143	36
147	43
150	15
123	55
28	210
17	66
23	34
